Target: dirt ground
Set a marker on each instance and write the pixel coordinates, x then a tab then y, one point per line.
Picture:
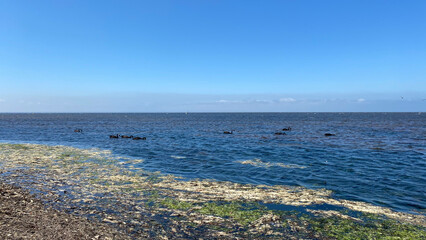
24	217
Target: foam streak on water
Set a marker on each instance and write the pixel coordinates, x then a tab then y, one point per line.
374	157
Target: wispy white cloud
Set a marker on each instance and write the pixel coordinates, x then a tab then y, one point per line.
244	101
2	100
287	100
229	101
263	101
360	100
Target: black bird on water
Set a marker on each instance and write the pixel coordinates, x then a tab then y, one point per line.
280	133
125	136
287	129
228	132
329	134
78	130
139	138
114	136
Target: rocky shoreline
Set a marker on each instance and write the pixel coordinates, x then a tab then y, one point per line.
23	216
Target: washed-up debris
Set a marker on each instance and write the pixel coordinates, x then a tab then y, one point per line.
259	163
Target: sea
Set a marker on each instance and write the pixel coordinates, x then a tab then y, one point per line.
379	158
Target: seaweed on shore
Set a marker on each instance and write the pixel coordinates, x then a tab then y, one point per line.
107	188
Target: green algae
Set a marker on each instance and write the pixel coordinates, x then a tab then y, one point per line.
19	146
242	213
365	226
375	228
176	204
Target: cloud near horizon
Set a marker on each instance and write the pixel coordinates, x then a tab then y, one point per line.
160	102
287	100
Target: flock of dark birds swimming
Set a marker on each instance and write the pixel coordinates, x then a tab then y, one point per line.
126	136
225	132
116	135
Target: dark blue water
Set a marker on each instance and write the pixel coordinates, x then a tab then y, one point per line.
375	157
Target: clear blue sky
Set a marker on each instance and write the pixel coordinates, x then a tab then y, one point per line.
212	55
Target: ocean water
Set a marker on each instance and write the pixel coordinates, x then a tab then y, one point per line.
374	157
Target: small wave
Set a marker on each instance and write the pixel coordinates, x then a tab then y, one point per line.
259	163
177	157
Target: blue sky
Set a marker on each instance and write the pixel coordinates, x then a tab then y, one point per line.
149	56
